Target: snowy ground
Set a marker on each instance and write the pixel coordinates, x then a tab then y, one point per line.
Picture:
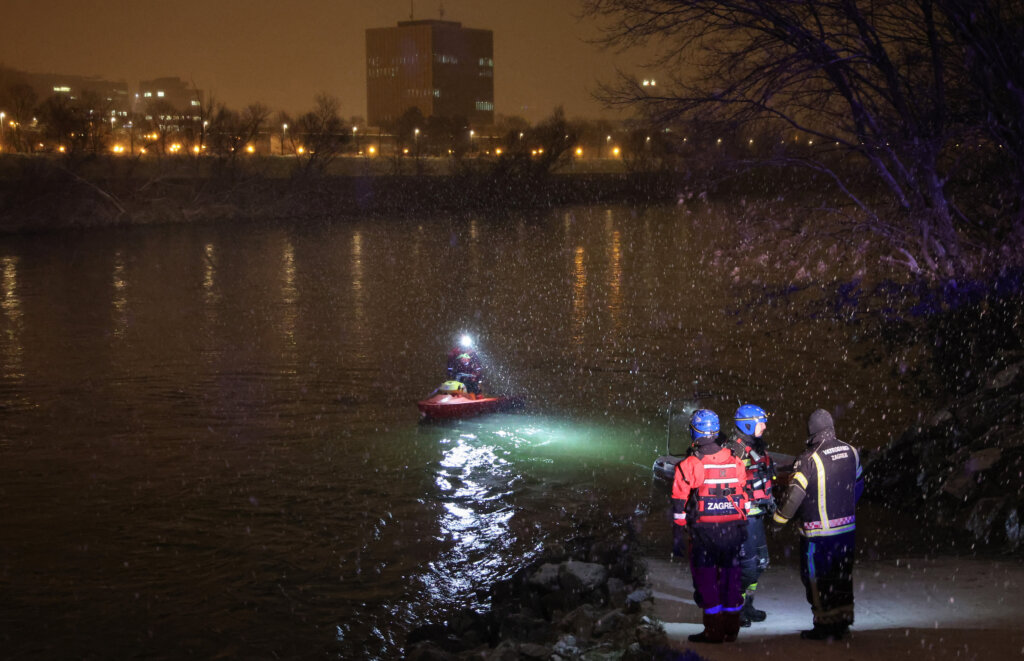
920	609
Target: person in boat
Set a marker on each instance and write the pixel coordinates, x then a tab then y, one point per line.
748	444
823	492
464	365
710	502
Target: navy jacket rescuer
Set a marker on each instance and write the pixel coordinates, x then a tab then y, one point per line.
823	494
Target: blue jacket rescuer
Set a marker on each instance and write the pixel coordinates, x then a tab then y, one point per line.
748	443
710	500
823	494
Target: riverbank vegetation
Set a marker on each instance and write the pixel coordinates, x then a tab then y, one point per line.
921	98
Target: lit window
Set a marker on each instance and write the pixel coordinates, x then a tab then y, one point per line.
485	105
195	102
147	94
159	93
437	93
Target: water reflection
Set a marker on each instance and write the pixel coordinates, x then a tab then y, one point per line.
210	295
289	300
119	285
473	481
13	350
360	325
615	280
579	296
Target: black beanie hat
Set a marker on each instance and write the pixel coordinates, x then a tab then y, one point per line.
820	420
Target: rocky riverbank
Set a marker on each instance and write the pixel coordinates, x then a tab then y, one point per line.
961	468
589	599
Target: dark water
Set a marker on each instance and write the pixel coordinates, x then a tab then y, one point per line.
210	443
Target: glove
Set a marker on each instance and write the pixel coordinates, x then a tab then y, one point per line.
678	541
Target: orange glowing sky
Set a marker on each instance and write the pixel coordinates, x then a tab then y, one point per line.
284	53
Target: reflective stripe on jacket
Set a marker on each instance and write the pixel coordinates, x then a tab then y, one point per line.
824	488
760	471
710	488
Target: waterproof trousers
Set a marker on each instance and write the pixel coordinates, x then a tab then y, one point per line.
754	555
826	569
715	566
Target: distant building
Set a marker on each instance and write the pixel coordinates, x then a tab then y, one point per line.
170	93
438	66
105	97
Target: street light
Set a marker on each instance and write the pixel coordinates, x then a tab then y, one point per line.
2	115
284	134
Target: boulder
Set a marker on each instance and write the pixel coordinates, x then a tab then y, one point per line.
941	417
506	650
982	460
651	635
545	578
429	651
524	629
582	576
608	622
981	522
566	647
1004	377
616	592
1013	528
580	622
534	651
635	599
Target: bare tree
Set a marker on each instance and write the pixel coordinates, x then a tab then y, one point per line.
21	99
319	135
879	80
230	132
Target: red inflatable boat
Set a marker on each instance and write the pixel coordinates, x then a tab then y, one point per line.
447	403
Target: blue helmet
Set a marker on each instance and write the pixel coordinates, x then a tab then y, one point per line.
747	417
703	424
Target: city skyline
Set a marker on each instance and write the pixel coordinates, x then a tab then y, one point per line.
260	52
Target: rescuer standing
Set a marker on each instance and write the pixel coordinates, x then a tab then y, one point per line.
748	444
823	494
709	499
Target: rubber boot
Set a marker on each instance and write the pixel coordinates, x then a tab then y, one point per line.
749	613
825	632
730	625
712	633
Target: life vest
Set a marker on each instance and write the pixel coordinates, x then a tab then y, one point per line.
759	481
721	496
759	475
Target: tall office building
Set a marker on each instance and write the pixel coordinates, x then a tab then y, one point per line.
440	67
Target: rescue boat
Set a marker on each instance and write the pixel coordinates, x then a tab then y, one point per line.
451	401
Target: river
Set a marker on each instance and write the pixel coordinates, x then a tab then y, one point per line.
211	447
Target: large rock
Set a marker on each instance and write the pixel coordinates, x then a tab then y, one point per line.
534	651
616	592
610	621
580	622
546	577
635	600
1005	377
1013	528
982	460
984	516
525	629
582	576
